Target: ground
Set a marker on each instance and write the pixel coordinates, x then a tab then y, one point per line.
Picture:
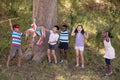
31	70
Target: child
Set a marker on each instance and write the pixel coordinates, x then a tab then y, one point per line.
35	31
53	38
79	44
109	51
16	43
64	40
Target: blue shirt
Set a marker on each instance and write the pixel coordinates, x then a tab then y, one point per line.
16	38
64	36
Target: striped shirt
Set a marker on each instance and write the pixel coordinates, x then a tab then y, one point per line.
64	36
16	38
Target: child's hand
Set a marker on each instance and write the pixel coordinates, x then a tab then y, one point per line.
43	27
74	28
48	41
10	23
9	20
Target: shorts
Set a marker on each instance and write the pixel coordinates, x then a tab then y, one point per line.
63	45
81	48
52	47
14	49
108	61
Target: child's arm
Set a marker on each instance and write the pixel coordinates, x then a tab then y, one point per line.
46	29
52	42
35	24
10	23
73	32
55	41
86	35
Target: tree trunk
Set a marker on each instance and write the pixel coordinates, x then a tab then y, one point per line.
45	12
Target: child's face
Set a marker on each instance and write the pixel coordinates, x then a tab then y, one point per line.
63	28
104	34
54	29
16	29
79	29
32	25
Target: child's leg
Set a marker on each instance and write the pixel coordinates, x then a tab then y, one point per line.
77	57
82	57
20	56
61	50
61	54
65	48
65	52
8	60
48	54
54	56
19	61
109	67
12	54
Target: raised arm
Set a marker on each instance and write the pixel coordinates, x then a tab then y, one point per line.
10	23
86	35
73	31
46	29
35	26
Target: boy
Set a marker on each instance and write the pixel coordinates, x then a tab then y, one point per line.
63	45
53	38
16	44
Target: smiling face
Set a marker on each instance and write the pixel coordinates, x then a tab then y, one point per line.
63	28
79	28
104	34
16	29
54	29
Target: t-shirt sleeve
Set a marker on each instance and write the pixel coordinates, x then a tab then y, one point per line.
22	34
51	31
57	37
12	32
68	30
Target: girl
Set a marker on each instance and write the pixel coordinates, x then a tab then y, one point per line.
109	51
79	44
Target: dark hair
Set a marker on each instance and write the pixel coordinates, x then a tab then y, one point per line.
109	34
76	31
15	26
56	27
65	26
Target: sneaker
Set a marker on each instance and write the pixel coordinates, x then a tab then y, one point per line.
61	61
77	65
66	61
55	62
49	61
83	66
108	74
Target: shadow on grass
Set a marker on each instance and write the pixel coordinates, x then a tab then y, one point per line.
31	70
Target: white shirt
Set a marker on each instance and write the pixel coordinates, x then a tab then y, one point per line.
109	50
53	37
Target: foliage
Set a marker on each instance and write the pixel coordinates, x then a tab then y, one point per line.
94	16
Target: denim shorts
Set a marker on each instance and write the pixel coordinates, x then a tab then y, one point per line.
81	48
52	47
108	61
15	49
63	45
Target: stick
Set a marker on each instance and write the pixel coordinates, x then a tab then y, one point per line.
7	20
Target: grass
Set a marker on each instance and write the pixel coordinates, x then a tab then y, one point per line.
31	70
95	20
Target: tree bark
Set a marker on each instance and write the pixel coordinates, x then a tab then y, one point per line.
45	12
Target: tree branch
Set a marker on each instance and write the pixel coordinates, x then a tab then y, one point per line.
7	20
